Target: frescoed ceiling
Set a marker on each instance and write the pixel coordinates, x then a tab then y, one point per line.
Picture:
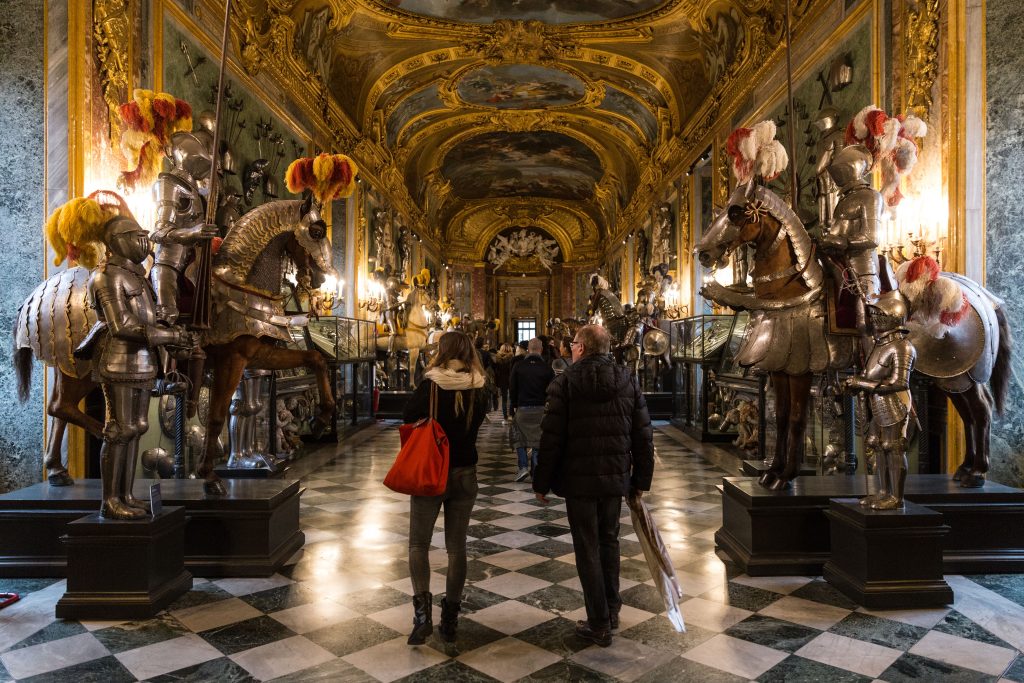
464	111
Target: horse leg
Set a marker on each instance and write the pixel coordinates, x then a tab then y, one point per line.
228	363
414	356
780	387
267	357
963	409
796	425
68	392
980	410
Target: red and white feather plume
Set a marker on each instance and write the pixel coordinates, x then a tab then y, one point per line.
891	140
756	152
934	300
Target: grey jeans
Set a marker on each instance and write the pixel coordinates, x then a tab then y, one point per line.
458	502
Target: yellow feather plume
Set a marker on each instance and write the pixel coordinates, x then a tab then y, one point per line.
75	231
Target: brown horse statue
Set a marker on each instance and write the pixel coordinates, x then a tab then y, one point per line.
247	322
789	336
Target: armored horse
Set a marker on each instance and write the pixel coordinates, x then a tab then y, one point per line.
789	336
418	315
247	322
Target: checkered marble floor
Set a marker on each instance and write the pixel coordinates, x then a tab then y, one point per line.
340	610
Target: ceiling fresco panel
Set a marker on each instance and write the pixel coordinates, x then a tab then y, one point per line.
422	101
624	105
520	86
548	11
541	164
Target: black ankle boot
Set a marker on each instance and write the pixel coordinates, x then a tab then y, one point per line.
449	619
423	619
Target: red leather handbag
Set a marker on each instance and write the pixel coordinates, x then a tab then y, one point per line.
421	468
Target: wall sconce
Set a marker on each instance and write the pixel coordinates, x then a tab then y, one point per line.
329	296
919	226
371	298
675	310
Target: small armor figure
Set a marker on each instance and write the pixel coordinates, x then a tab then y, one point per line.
404	252
886	383
850	238
123	341
180	216
830	143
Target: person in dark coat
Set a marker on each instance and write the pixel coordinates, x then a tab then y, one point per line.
527	392
596	447
462	403
503	375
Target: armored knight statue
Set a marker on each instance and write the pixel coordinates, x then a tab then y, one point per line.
830	143
394	304
124	339
404	252
885	381
850	238
180	216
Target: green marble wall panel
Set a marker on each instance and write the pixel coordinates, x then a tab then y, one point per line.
1004	269
22	147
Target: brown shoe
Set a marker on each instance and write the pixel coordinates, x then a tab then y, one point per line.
602	637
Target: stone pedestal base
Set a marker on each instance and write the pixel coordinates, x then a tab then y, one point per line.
125	569
887	559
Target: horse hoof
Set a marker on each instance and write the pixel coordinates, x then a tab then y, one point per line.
780	485
318	427
214	487
767	479
960	473
972	480
60	479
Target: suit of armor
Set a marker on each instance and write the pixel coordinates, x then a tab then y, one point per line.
829	144
180	217
885	381
124	337
855	223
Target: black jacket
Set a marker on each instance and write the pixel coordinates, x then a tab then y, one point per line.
528	385
461	430
596	436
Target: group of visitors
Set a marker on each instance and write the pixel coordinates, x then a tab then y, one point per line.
584	433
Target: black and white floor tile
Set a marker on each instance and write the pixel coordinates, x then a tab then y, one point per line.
340	610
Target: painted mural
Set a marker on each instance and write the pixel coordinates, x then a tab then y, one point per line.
549	11
520	86
620	103
541	164
417	103
633	84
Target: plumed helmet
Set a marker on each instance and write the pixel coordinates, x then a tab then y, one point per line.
889	311
193	153
851	164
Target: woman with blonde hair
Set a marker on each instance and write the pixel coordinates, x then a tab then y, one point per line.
462	401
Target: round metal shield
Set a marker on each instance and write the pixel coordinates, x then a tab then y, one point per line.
952	354
655	342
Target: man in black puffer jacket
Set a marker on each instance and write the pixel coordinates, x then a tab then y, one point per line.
596	447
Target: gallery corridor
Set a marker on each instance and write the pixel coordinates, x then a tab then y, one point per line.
341	610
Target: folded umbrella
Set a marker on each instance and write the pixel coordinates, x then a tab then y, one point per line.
658	560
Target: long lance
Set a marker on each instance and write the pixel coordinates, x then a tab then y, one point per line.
204	270
794	187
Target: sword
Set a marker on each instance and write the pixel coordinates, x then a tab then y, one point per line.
204	270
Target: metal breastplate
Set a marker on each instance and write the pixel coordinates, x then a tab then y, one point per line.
885	359
179	205
127	360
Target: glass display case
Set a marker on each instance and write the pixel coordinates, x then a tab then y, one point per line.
696	345
350	345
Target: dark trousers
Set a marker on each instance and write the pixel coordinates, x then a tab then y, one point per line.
594	524
457	501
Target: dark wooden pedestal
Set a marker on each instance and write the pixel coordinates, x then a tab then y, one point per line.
887	559
250	532
278	469
780	533
755	468
124	569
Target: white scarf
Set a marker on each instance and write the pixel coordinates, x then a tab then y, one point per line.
452	377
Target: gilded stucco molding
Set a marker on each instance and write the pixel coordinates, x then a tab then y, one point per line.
111	30
920	55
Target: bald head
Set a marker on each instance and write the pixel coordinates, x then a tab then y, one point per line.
535	346
595	340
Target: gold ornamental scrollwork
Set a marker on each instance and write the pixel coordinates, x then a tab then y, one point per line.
921	55
111	30
524	42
